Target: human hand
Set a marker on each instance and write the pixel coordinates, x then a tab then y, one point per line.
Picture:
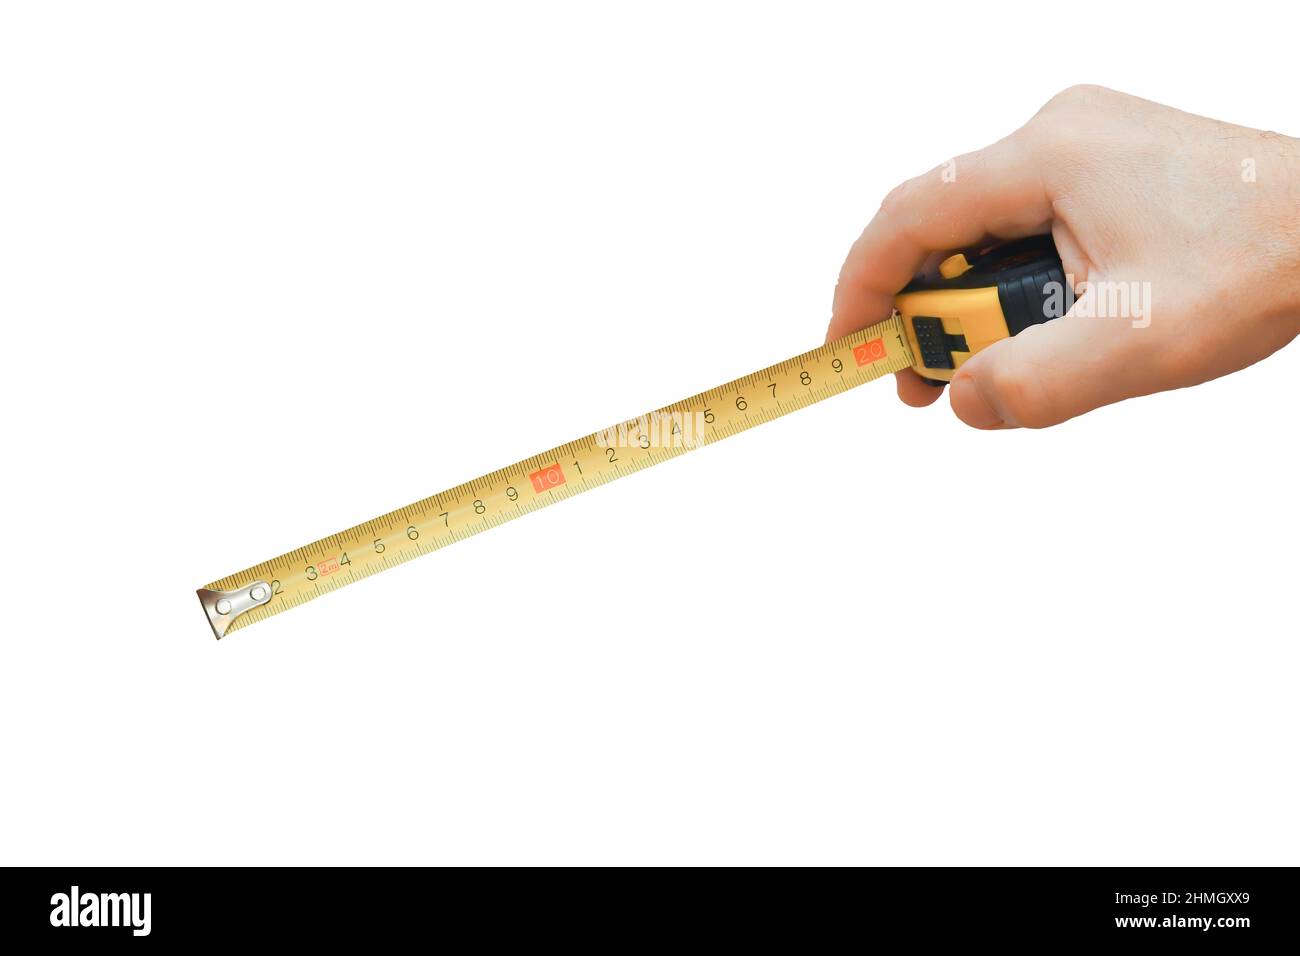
1205	215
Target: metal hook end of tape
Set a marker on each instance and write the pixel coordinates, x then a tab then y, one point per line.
223	607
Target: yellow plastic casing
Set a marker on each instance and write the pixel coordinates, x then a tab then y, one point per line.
975	314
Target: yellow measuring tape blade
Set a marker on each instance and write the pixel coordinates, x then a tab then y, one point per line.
266	589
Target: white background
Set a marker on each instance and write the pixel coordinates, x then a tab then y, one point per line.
269	269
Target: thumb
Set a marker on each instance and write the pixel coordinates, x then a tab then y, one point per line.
1052	372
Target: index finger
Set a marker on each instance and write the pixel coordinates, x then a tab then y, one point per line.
996	191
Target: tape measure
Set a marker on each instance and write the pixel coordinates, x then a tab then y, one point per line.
938	323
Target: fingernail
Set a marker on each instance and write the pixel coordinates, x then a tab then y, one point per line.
977	410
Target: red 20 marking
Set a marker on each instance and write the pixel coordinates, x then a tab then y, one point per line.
869	352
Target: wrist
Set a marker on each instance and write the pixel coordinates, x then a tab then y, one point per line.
1281	224
1292	202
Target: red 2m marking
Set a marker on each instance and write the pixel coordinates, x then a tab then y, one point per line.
869	352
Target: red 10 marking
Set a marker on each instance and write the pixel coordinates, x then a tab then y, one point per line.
544	479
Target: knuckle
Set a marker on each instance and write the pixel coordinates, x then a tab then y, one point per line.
1069	116
900	198
1079	96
